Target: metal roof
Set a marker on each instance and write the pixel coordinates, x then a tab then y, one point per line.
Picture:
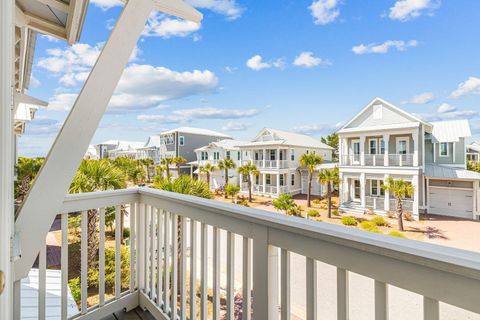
228	144
444	172
450	131
475	146
281	137
199	131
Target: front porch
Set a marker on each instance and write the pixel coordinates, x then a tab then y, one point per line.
270	184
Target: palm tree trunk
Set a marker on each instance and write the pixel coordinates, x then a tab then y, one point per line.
249	189
208	180
226	181
400	214
309	189
329	190
92	236
168	172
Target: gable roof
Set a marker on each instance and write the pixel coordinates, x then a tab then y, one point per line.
199	131
287	138
450	131
153	141
378	100
475	146
229	144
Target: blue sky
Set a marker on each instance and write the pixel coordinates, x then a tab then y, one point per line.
303	65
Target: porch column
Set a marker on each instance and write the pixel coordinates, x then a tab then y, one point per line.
264	156
341	193
363	184
416	185
386	139
7	8
415	135
341	150
362	150
278	158
387	194
38	212
264	182
278	183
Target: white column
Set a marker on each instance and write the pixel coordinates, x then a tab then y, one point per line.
363	185
264	156
387	194
6	154
264	182
341	151
386	139
415	147
416	193
278	183
341	194
38	212
273	281
434	152
278	158
362	150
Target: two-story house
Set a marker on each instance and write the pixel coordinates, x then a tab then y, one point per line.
217	151
384	141
276	154
473	152
150	150
183	141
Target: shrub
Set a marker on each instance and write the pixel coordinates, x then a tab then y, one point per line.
397	234
369	226
379	221
75	289
336	213
126	233
349	221
313	213
243	202
93	273
231	190
390	214
316	201
285	203
408	216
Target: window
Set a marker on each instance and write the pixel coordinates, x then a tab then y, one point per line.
272	154
204	155
402	145
216	155
373	146
281	179
238	156
356	147
377	111
382	146
374	187
292	179
382	192
228	155
268	179
292	154
181	140
444	149
257	179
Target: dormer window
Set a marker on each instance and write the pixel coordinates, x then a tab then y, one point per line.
377	111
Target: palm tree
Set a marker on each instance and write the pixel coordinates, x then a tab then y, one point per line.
225	165
27	169
207	169
249	170
400	189
232	190
330	178
167	162
96	175
310	161
178	161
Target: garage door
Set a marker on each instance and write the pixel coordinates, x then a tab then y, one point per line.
451	202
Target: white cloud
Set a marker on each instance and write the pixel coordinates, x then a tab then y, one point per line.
469	86
78	57
421	98
256	63
324	11
404	10
188	115
445	107
228	8
106	4
236	126
317	128
400	45
49	38
62	101
453	115
161	25
308	60
43	127
72	79
34	82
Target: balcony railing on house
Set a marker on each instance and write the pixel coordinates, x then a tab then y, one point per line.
378	160
271	164
375	202
195	239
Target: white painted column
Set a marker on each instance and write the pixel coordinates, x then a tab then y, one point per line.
362	150
264	182
363	185
415	135
341	151
273	281
341	194
264	156
387	194
434	152
278	183
278	158
38	212
416	193
386	139
7	8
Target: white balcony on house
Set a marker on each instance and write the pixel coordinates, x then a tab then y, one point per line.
269	159
249	254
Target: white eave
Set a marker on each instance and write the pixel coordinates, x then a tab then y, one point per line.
389	127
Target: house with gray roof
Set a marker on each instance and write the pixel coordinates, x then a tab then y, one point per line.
473	151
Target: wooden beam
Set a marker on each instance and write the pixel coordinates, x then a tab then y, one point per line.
44	26
73	20
56	4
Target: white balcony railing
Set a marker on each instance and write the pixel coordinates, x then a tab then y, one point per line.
253	247
375	202
377	160
271	164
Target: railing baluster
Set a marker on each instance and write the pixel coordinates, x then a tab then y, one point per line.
83	262
381	300
285	283
216	273
166	297
204	277
42	279
159	257
118	244
431	310
183	269
141	247
101	258
311	289
230	275
133	250
342	294
153	215
146	243
247	279
193	269
174	293
64	266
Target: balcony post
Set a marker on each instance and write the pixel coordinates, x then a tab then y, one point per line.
362	150
363	185
387	195
341	194
415	135
278	184
278	158
264	156
264	182
416	185
386	139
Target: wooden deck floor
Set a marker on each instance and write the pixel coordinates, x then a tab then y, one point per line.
136	314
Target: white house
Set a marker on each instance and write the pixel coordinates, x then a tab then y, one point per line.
150	149
276	154
384	141
127	149
91	153
215	152
473	152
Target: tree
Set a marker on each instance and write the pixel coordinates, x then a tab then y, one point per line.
225	165
231	190
248	171
178	161
285	203
185	185
207	169
27	169
96	175
400	189
332	141
134	170
329	177
166	162
310	161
